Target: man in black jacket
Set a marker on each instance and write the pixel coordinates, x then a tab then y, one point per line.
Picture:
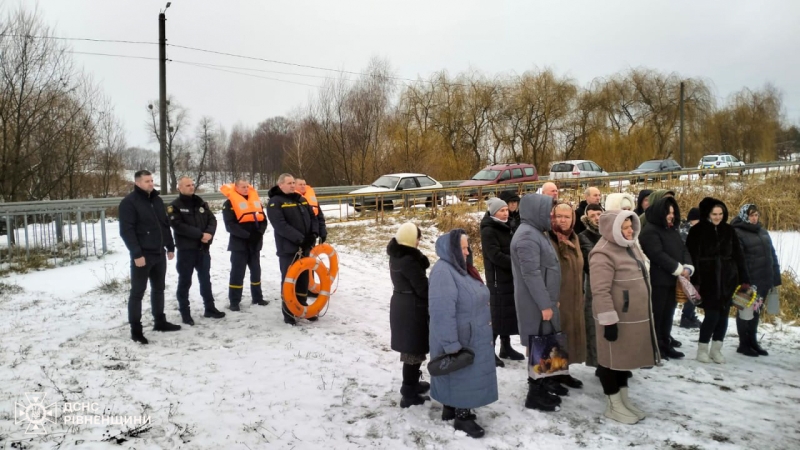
194	225
246	222
591	196
296	232
144	228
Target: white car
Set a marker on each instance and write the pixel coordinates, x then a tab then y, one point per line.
576	168
399	184
721	161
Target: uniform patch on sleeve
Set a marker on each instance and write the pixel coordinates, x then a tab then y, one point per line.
169	209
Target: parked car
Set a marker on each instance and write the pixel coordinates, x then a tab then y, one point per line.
397	183
720	161
656	166
576	168
503	174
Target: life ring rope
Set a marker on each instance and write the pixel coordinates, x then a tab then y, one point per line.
333	270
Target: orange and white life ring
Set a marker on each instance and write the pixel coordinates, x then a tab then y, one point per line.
290	296
333	270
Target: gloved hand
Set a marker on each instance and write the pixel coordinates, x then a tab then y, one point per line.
309	241
611	332
323	238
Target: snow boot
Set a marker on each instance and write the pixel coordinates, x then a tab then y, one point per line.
161	324
616	410
212	312
498	362
690	322
569	381
746	350
668	352
186	318
288	317
137	335
555	387
539	398
465	421
702	353
422	386
260	302
674	343
716	352
623	393
754	338
507	351
411	397
234	307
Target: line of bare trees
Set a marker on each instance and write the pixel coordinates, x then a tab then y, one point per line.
59	137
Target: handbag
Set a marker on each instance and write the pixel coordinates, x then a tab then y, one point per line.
686	290
745	298
448	363
773	302
548	354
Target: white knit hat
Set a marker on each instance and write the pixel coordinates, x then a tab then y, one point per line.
407	234
494	204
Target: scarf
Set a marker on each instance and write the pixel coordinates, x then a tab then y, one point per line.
562	235
473	272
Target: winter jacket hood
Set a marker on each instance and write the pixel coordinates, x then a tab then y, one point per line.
509	196
657	213
448	248
708	204
611	227
643	194
620	200
589	226
535	210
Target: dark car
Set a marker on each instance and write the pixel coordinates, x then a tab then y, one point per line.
655	166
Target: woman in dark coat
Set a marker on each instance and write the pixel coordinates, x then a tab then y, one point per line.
661	242
588	239
496	246
512	200
408	310
719	269
762	267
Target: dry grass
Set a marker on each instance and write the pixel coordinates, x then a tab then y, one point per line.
463	216
789	298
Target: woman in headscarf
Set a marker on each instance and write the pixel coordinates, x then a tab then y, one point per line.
571	303
762	267
460	319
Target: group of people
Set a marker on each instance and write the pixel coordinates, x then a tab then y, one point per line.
147	228
611	289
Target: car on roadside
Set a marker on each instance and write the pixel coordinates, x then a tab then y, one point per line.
721	161
576	168
503	174
396	189
656	169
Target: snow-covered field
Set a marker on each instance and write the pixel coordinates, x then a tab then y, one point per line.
250	382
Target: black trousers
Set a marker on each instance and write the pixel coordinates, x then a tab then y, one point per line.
154	270
689	310
239	262
301	285
188	262
612	380
715	325
664	304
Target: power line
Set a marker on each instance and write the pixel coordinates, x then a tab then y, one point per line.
203	66
112	54
114	41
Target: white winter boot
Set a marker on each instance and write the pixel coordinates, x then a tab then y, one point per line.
623	393
716	352
702	353
616	410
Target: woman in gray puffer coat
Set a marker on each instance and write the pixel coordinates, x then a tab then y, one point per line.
460	318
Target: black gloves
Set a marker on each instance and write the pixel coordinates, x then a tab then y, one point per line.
323	238
309	241
611	332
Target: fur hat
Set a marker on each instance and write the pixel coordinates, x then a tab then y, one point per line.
407	234
494	204
509	196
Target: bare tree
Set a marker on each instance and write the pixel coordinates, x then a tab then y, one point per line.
177	119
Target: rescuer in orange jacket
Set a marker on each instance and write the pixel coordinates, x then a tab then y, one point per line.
246	222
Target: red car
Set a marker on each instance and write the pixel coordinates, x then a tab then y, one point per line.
503	174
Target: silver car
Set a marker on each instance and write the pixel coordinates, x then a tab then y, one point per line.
576	168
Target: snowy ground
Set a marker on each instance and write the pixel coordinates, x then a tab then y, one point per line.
250	382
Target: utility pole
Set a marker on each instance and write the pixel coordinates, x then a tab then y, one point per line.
682	159
162	97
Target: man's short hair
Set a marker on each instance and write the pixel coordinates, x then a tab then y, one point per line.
282	177
140	174
241	180
588	191
184	177
299	179
594	207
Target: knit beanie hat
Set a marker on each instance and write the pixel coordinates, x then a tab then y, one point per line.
407	234
694	214
494	204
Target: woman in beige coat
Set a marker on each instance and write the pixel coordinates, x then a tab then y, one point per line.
570	298
621	305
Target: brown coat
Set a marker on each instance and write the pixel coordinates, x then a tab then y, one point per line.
621	295
573	320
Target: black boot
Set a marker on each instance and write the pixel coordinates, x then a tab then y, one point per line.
449	413
754	338
569	380
234	297
136	333
422	386
161	324
667	352
498	362
411	397
745	341
554	387
186	318
465	421
260	302
507	351
212	312
304	301
674	343
690	322
539	397
288	318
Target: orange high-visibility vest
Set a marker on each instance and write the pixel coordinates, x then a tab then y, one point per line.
246	209
311	197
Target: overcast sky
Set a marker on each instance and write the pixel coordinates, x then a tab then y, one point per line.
730	43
